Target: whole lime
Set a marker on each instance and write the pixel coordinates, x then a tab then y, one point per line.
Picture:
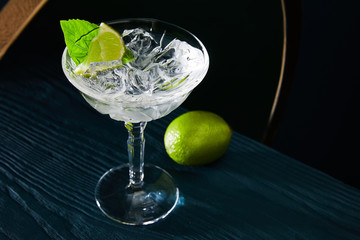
197	138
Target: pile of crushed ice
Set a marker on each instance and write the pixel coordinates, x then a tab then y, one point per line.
156	67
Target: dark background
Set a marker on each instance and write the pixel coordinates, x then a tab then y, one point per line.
320	125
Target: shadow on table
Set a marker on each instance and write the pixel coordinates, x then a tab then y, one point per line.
256	192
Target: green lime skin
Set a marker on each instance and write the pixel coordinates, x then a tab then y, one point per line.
197	138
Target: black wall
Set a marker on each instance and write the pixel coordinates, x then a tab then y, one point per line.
321	123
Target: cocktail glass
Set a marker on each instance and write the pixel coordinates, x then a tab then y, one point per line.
160	78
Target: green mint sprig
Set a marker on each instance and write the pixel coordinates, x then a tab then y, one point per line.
128	56
78	35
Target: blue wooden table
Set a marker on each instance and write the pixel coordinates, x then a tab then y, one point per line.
54	148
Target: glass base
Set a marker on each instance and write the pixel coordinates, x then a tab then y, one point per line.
141	205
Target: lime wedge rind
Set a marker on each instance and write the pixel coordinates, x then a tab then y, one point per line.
105	52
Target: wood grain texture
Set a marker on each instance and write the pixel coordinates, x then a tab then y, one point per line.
14	17
54	147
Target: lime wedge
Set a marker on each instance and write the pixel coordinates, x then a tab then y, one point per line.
106	46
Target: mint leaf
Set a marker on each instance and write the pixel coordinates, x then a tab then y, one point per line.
78	35
127	57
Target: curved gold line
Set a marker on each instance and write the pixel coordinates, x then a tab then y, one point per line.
281	78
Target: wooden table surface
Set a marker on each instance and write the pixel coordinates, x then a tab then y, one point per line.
54	147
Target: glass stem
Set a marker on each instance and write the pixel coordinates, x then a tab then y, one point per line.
136	150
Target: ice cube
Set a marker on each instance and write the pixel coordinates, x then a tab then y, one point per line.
139	41
95	67
139	82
